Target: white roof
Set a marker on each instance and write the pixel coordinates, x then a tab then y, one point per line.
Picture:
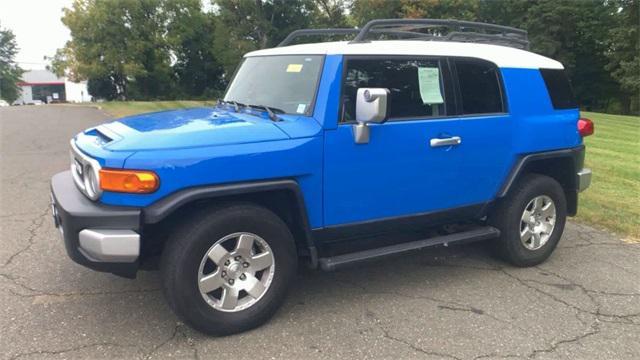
40	76
502	56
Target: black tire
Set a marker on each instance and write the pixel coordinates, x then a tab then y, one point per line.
188	244
507	218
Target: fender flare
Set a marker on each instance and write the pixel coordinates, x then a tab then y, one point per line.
159	210
576	154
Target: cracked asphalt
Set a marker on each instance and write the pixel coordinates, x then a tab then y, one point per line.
446	303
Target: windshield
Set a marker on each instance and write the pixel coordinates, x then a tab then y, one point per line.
286	83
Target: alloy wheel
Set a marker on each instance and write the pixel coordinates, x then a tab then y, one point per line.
537	222
236	272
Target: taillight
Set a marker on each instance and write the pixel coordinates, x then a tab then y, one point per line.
585	127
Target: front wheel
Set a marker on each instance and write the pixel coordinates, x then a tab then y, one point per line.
531	220
228	269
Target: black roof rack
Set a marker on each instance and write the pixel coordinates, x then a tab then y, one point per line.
315	32
456	30
341	31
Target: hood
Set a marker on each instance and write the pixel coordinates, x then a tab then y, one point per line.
187	128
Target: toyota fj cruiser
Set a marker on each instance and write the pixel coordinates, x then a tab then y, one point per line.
331	153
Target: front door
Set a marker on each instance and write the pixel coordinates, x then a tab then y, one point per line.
432	154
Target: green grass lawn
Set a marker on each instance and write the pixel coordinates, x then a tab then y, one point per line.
613	153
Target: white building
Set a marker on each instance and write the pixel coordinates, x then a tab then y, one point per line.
45	86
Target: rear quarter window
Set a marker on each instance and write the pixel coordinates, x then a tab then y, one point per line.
480	90
559	88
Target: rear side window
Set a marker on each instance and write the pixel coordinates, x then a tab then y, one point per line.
559	88
480	89
416	86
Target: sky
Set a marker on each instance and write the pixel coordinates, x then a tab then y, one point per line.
37	27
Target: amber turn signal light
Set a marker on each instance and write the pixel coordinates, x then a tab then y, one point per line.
129	181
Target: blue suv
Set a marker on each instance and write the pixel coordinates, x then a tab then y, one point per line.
330	154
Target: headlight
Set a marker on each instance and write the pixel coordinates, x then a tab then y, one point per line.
86	173
92	182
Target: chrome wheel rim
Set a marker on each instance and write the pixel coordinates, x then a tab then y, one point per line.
236	272
537	222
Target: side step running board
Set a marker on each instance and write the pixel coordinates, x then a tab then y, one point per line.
336	262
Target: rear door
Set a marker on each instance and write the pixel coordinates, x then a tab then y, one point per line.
407	168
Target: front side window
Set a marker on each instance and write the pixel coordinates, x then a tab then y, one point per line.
479	83
415	85
286	84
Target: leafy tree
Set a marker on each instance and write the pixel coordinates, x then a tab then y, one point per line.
624	52
504	12
246	25
190	36
61	63
10	72
120	40
155	49
362	11
440	9
572	32
329	14
103	88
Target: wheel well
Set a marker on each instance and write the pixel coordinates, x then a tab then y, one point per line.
562	169
283	203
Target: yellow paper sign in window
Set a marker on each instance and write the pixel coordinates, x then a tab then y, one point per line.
294	68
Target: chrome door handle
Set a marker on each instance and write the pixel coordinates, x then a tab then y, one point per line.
451	141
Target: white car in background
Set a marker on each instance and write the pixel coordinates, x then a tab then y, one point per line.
3	103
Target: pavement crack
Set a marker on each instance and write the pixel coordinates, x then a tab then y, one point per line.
178	332
83	293
460	266
441	303
588	292
36	224
14	281
387	335
578	246
469	309
174	334
526	283
595	329
496	355
67	350
33	292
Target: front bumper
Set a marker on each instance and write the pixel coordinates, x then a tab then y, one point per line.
103	238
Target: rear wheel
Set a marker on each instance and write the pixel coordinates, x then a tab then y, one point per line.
228	269
531	220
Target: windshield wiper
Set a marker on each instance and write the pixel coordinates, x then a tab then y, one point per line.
271	111
236	105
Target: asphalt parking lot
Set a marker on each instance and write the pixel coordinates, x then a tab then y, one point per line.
447	303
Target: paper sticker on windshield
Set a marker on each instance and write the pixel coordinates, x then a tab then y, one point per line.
429	81
301	108
294	68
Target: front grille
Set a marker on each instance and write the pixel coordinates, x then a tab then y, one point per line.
86	173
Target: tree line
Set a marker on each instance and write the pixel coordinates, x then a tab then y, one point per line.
10	72
180	49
